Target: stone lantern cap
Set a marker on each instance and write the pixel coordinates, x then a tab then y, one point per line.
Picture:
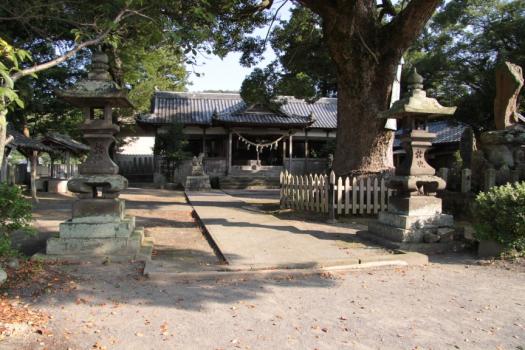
98	90
416	103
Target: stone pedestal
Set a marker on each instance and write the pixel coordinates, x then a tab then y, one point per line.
99	227
413	219
197	183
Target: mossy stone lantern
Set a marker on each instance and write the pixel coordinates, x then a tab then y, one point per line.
414	211
98	225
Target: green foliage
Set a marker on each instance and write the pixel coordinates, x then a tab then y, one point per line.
15	214
15	210
303	67
10	61
499	215
147	48
171	145
307	69
147	69
459	51
259	88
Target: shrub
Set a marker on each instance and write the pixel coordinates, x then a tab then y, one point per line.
15	214
499	215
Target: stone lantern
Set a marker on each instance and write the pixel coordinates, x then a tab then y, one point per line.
99	226
414	213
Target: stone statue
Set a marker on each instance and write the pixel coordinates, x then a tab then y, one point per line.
198	180
196	165
509	81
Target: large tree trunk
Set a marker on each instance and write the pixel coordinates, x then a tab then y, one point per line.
364	89
363	143
366	51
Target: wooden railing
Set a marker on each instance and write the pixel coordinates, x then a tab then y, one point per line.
320	193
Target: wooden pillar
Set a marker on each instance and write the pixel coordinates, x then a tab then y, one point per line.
306	151
284	154
204	141
68	165
290	150
34	161
229	155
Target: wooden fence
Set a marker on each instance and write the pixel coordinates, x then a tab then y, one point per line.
347	195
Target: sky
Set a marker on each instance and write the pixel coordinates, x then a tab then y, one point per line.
228	74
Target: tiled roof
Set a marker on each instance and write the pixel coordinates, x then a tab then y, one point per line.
22	142
204	108
61	141
267	119
447	131
199	108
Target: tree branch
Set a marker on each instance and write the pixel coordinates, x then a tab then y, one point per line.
404	29
322	8
43	66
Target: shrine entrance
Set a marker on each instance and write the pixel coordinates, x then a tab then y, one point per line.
265	150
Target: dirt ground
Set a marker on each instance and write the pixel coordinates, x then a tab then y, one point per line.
455	302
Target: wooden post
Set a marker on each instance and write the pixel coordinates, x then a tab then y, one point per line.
229	160
331	197
306	151
284	155
34	161
68	166
290	150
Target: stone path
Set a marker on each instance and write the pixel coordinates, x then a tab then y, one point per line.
254	240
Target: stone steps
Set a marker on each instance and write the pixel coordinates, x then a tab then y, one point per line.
248	182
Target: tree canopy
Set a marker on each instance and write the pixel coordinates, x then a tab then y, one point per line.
148	43
460	49
457	53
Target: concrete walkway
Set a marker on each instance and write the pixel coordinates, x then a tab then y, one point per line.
253	240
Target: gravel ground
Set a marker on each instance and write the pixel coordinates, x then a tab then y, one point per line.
453	303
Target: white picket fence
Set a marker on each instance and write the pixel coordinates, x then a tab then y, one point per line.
349	195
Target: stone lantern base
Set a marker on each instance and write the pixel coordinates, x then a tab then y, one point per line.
99	226
415	219
414	215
